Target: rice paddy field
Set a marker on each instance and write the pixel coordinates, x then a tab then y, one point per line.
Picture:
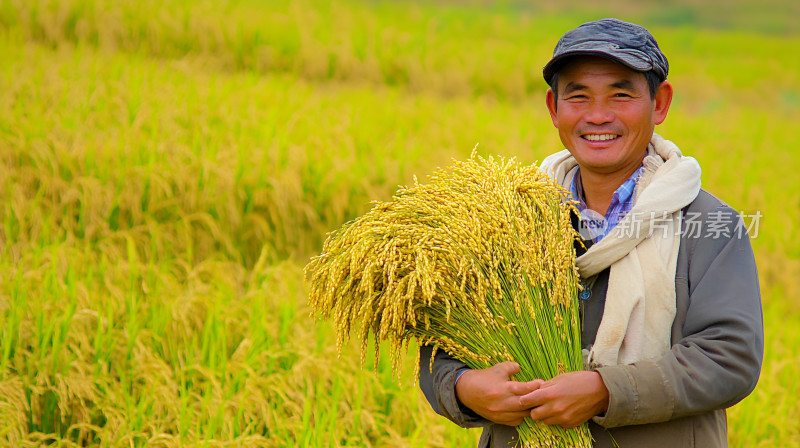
168	167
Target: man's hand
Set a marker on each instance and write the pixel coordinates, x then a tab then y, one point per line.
568	399
491	394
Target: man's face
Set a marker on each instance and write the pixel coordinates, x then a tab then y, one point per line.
605	115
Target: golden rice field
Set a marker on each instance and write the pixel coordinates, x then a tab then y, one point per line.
168	167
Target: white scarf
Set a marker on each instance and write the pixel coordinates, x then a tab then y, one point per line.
642	251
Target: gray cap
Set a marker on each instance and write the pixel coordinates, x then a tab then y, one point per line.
623	42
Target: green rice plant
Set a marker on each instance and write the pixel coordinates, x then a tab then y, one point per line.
479	262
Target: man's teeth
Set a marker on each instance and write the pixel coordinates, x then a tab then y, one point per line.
598	138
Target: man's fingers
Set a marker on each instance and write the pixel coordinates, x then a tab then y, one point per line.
541	413
545	415
512	418
518	388
533	399
508	368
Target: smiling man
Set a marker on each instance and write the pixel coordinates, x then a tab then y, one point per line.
605	115
670	308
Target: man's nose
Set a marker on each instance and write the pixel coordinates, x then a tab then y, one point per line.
598	112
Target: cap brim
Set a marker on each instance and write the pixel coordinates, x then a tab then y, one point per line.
629	61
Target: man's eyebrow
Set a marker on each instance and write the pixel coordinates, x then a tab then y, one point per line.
572	87
623	84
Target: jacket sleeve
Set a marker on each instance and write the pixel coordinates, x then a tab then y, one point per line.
717	361
439	387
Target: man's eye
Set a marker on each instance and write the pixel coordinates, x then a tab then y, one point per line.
622	95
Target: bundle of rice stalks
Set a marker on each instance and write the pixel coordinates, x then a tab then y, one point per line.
478	262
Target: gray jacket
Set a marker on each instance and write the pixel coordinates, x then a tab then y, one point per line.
678	400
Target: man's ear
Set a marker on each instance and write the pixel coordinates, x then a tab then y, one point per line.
550	98
663	100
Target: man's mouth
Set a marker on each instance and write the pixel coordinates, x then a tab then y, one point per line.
599	137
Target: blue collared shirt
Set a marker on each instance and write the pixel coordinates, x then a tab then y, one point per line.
595	226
